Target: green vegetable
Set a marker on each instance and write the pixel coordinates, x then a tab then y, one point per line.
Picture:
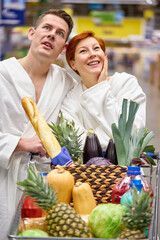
138	141
105	220
129	142
33	233
149	148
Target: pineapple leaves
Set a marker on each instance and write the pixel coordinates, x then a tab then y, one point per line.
68	136
129	142
38	189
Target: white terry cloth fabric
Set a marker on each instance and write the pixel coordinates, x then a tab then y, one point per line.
100	106
15	84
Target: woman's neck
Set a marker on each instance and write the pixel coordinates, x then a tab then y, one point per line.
89	81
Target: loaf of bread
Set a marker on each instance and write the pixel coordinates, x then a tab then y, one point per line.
41	127
33	223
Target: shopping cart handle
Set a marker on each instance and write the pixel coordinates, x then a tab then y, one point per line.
31	155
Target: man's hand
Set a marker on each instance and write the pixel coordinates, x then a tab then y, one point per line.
33	145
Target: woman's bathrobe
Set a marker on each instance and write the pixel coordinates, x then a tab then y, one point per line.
100	106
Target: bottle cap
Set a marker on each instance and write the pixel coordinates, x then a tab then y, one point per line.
133	173
134	169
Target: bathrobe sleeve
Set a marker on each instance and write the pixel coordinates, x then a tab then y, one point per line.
11	118
106	99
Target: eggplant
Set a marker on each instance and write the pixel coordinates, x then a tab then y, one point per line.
92	147
110	153
98	161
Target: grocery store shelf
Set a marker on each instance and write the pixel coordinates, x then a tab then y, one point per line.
141	2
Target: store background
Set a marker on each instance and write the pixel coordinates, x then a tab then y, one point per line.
131	30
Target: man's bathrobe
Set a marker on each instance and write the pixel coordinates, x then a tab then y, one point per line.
15	84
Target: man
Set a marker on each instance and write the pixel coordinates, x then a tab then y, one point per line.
47	84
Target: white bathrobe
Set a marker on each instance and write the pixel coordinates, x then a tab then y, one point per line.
100	106
15	84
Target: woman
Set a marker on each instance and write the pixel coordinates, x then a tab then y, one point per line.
96	102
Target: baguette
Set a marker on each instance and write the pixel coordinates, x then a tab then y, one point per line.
41	127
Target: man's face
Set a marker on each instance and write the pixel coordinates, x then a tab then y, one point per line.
49	38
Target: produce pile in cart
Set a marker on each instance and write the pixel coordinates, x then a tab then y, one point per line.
67	203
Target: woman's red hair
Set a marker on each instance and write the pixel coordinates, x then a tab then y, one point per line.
76	39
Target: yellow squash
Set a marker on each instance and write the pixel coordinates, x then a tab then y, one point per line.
62	182
83	199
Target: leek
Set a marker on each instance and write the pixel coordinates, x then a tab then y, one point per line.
129	142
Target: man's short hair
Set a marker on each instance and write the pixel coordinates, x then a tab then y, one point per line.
60	13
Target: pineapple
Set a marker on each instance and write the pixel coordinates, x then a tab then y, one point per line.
67	135
138	216
61	218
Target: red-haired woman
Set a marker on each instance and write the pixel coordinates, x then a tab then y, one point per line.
96	101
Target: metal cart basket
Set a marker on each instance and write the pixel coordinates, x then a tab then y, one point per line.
102	180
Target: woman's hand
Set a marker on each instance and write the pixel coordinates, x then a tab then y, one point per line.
104	73
33	145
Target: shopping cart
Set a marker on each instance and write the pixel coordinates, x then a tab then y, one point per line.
150	172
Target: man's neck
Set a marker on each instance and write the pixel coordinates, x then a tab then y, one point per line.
37	73
34	68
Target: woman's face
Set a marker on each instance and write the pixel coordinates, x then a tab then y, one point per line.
89	57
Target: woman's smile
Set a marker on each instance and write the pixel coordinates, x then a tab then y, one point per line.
93	63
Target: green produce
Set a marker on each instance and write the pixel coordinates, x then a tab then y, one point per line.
105	220
129	142
33	233
138	216
61	219
68	136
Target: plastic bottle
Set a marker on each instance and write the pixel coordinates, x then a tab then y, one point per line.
127	197
123	184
